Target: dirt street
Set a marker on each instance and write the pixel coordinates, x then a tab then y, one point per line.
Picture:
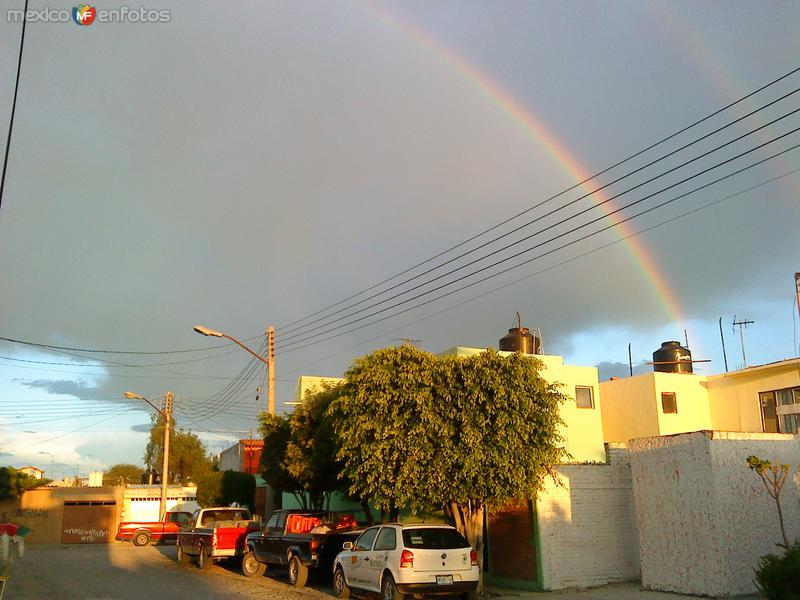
121	571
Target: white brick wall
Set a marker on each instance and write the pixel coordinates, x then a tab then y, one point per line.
703	516
587	533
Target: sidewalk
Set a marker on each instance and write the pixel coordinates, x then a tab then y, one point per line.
617	591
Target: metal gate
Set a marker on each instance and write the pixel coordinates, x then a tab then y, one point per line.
88	522
512	541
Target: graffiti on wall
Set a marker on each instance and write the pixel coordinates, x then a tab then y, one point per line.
87	535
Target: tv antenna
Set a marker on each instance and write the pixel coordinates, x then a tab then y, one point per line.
407	341
742	325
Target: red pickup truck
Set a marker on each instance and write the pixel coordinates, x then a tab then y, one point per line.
214	533
142	532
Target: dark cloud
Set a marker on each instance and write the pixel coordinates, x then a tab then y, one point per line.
78	388
608	369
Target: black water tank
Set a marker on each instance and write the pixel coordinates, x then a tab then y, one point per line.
519	339
672	358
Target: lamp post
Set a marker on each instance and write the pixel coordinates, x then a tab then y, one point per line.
167	414
269	361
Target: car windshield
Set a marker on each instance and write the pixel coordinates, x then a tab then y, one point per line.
433	538
225	515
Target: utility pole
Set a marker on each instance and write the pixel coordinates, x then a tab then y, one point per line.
722	337
797	286
742	326
167	411
271	369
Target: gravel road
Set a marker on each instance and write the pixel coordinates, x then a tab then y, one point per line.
121	571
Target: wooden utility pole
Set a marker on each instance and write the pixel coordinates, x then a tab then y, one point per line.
167	411
271	369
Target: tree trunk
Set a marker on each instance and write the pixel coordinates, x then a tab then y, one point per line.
468	517
368	512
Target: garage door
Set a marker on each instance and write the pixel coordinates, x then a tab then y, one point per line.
512	541
88	522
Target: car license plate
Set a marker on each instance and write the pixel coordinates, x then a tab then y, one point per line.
444	580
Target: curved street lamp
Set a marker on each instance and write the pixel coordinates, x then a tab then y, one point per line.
167	414
269	360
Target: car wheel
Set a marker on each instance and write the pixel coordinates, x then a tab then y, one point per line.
183	558
298	572
141	538
389	590
251	567
340	587
204	561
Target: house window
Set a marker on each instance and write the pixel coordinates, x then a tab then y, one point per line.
583	397
780	410
669	403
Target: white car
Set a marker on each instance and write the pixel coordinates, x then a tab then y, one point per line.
399	560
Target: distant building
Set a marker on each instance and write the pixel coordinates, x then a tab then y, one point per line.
244	456
34	472
312	383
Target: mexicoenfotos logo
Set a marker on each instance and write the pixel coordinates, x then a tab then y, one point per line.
83	14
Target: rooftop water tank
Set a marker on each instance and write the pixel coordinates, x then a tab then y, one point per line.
520	339
672	358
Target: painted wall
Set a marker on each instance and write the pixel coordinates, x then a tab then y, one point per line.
691	398
703	516
629	408
311	383
586	527
733	397
42	509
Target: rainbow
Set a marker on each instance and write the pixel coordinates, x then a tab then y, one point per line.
537	130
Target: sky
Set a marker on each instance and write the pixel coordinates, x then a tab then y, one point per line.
254	165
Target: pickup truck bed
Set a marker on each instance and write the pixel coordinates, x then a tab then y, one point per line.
209	538
295	540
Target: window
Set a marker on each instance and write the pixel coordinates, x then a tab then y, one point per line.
780	410
669	403
364	541
387	539
434	538
583	397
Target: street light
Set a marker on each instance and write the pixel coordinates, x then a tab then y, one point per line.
269	361
167	414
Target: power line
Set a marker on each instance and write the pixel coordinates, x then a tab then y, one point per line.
99	351
316	340
523	212
550	268
299	333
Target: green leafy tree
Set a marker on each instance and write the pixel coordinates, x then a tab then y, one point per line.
310	457
239	487
188	457
276	431
14	482
122	474
418	431
209	489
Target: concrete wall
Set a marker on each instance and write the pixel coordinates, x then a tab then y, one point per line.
42	509
691	398
703	516
587	532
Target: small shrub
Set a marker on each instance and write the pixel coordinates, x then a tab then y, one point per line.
778	577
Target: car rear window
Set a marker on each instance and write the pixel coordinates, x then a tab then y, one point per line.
433	538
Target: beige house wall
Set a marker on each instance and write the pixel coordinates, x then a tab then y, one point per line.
42	509
733	397
691	398
629	408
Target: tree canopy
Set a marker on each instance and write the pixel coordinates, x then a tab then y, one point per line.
419	431
188	457
123	473
14	482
